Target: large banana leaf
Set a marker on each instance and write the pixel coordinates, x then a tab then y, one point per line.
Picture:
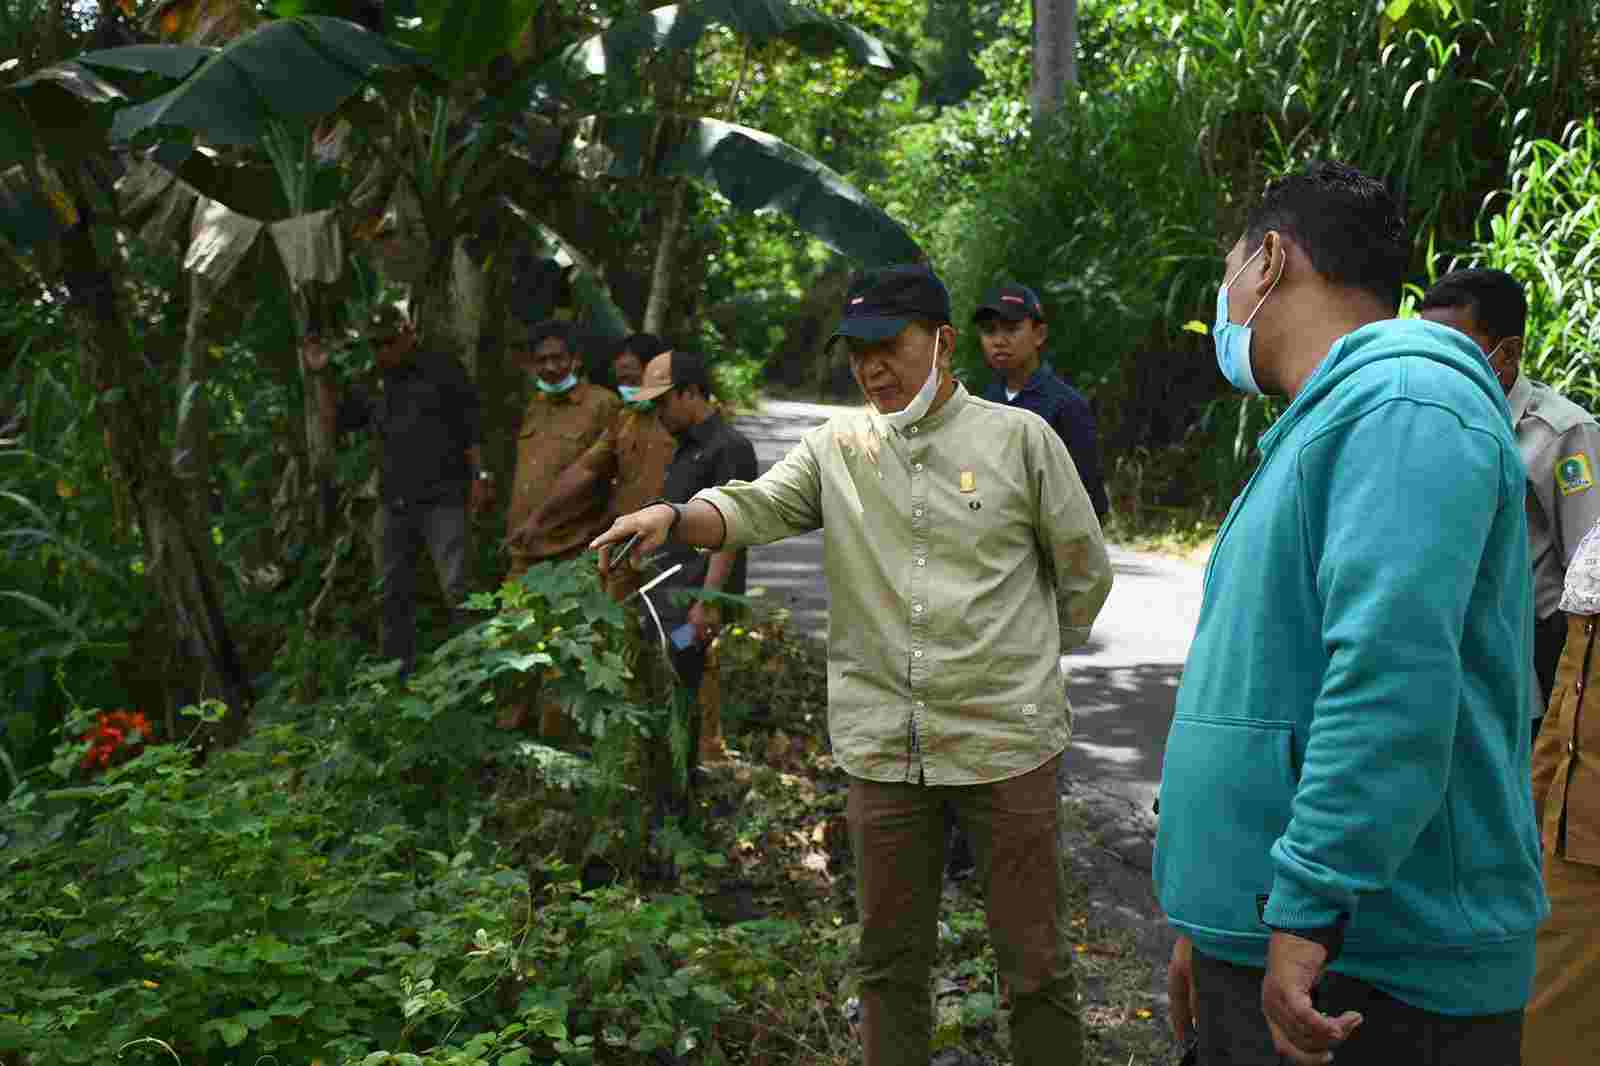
758	172
166	60
291	71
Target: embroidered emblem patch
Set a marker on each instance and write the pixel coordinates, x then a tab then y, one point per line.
969	481
1574	474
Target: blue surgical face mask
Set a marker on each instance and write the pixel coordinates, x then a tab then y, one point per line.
1232	339
628	394
566	384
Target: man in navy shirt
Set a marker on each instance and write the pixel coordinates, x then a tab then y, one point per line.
1012	329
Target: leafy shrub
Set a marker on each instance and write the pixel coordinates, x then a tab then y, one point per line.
232	906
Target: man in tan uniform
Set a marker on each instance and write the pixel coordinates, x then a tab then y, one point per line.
564	419
962	556
1562	1025
1559	441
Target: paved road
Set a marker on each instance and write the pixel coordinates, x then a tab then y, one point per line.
1122	684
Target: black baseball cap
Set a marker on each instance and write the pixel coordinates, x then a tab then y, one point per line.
883	302
1012	303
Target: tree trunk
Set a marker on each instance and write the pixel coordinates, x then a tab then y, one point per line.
191	451
179	553
312	318
469	304
655	312
1055	55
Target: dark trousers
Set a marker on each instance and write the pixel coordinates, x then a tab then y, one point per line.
1549	638
441	525
1233	1029
898	833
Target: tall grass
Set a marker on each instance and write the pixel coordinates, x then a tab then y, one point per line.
1545	231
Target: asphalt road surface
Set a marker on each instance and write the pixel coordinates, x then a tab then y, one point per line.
1122	684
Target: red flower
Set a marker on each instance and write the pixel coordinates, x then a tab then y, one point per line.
109	739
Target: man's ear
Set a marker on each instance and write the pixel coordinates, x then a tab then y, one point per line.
1043	329
1274	260
947	346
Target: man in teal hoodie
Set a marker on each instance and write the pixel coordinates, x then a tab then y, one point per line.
1347	844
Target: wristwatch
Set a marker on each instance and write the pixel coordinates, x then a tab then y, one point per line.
677	512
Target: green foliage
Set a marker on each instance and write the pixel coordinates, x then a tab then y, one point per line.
329	890
1545	232
230	907
69	579
1119	213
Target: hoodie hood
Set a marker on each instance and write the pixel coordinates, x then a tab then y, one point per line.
1391	338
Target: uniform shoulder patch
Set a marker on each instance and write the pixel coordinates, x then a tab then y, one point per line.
1574	474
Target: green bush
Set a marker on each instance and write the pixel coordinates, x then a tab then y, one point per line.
326	886
233	906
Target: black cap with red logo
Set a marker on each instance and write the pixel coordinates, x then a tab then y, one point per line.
881	303
1012	303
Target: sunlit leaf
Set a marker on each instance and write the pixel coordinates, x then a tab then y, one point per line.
616	52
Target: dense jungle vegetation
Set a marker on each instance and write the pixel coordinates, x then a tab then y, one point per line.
230	835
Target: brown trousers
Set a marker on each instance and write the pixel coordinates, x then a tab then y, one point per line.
899	833
1563	1018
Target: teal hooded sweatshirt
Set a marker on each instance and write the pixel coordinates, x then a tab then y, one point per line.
1351	735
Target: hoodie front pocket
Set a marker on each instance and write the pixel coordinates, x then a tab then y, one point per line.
1226	791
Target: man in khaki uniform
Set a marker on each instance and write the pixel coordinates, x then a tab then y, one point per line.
1559	441
627	468
1563	1018
962	557
563	420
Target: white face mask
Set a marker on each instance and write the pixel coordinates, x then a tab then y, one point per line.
917	409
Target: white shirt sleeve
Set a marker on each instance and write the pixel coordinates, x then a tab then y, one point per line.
1582	594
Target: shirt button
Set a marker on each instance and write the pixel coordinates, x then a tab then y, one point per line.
1588	627
916	608
922	705
916	512
917	467
922	562
912	431
1572	746
917	654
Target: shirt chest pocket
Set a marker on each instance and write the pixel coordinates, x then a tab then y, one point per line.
990	523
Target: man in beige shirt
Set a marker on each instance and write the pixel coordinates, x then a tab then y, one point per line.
962	557
565	417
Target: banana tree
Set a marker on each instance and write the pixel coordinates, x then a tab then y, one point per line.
444	159
59	179
427	164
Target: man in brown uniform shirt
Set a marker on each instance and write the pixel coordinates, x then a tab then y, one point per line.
564	419
628	467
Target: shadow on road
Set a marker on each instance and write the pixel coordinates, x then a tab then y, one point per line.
1119	727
